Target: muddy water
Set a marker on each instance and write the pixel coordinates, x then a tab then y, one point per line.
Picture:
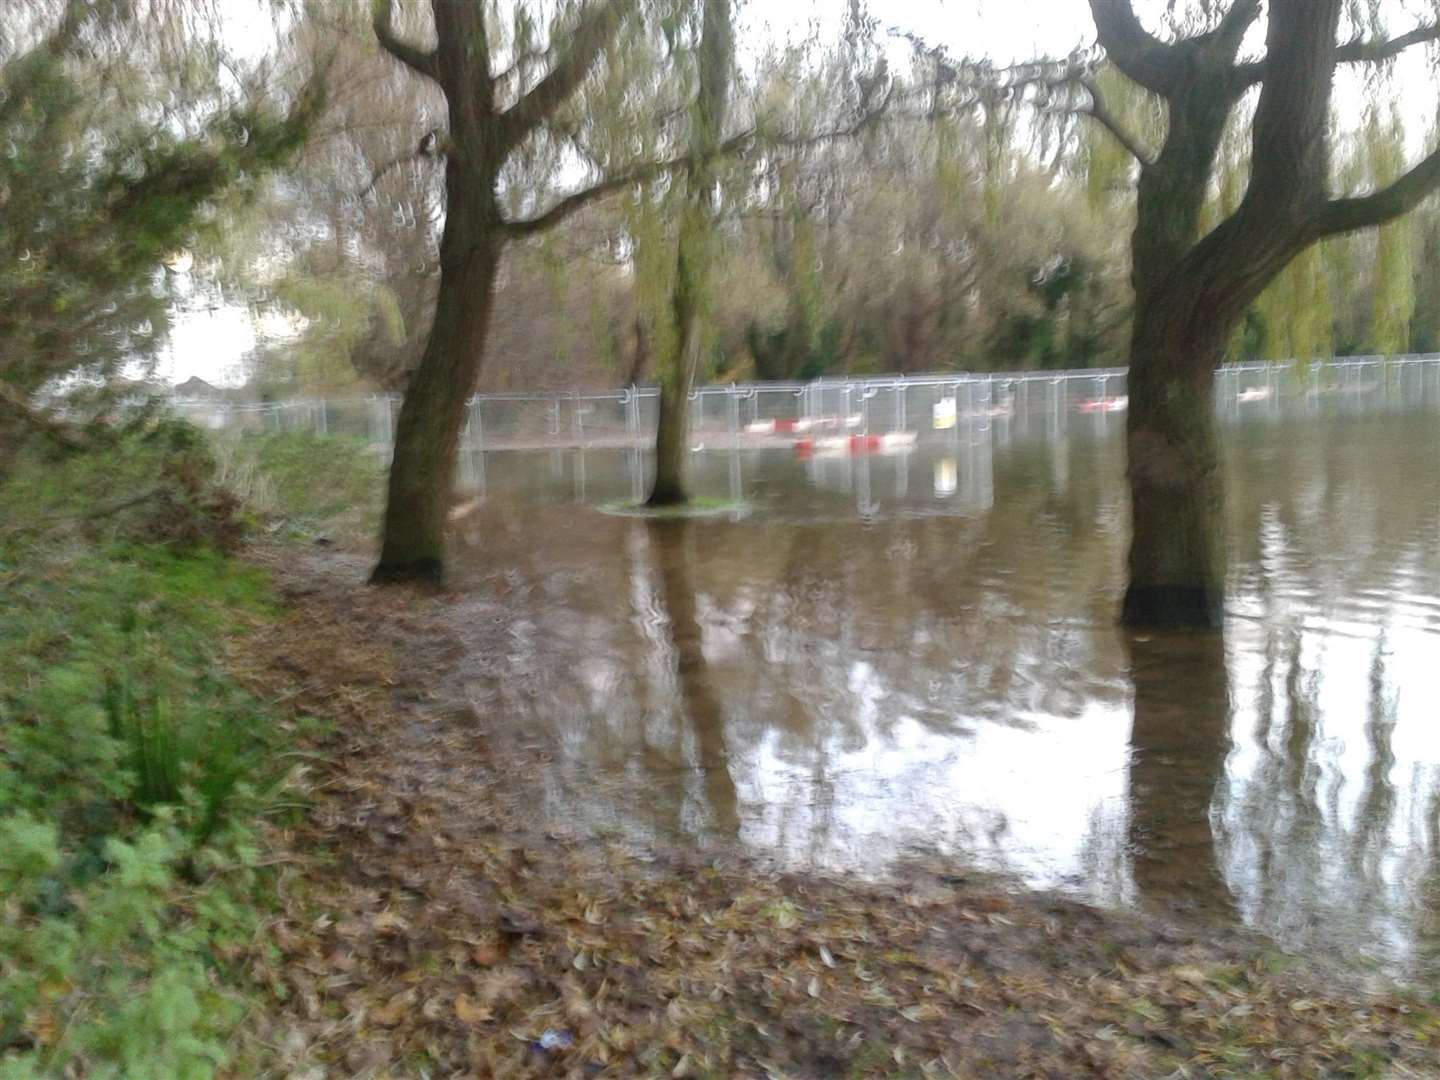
917	653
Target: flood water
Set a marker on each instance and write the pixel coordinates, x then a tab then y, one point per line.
917	653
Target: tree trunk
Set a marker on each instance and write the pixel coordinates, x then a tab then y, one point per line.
1177	546
432	416
672	437
692	259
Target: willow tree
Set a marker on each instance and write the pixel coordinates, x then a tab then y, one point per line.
101	179
693	254
507	102
1191	291
1393	302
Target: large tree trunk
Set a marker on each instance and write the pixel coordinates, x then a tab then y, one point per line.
432	416
672	437
1177	548
692	259
1190	292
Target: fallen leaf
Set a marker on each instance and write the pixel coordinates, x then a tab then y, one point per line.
470	1011
387	920
394	1010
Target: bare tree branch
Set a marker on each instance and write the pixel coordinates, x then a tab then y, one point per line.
1098	111
1355	51
637	174
598	24
1369	52
429	149
419	60
1236	23
1143	57
17	403
1386	204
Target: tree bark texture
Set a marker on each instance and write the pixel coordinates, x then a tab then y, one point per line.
677	381
672	436
432	413
1177	548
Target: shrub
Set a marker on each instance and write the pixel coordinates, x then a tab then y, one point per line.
133	772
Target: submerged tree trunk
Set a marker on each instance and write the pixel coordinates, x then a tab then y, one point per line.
432	415
1177	548
672	437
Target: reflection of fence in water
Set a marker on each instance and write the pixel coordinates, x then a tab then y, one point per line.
762	414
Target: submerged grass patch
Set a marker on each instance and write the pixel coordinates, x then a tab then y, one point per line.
699	507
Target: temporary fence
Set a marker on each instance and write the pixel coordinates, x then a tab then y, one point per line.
921	407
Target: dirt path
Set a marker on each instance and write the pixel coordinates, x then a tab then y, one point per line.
433	927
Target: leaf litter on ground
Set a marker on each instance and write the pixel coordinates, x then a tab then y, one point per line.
430	927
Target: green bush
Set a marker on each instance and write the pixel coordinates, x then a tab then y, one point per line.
133	773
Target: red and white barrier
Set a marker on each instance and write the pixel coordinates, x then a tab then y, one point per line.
856	444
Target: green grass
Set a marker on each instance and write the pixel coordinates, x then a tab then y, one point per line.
134	774
697	507
307	484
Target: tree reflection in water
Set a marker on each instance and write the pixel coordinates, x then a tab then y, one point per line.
946	675
703	711
1179	740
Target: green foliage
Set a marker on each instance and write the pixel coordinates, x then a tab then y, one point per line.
1106	165
132	772
313	483
1294	315
1393	301
99	183
341	310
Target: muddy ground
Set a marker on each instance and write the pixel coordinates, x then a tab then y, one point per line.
432	926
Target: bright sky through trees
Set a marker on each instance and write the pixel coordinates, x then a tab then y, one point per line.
212	342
